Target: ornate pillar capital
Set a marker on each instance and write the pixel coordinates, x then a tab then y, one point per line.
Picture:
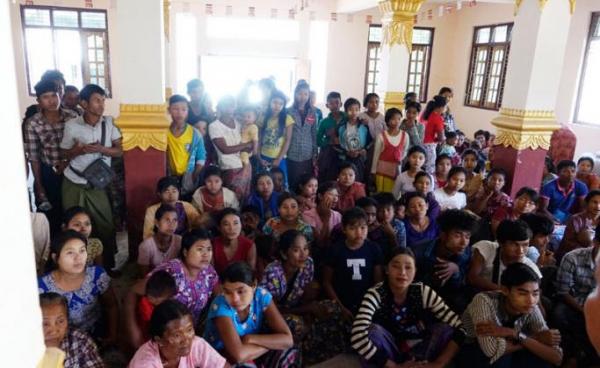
398	17
143	126
522	129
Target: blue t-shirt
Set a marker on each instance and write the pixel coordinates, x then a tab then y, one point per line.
560	203
253	324
353	271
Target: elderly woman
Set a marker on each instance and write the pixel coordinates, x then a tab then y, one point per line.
174	342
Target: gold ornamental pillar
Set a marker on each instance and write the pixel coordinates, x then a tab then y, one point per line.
397	20
526	120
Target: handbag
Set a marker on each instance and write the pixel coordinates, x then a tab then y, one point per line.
389	168
98	174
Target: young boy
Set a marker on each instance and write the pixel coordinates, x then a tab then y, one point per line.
442	263
250	216
186	153
490	196
160	287
448	147
212	197
450	197
352	266
278	180
585	167
349	189
354	138
525	202
564	195
506	328
391	232
167	190
70	100
327	138
542	228
490	259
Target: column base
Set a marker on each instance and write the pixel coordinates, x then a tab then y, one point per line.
524	168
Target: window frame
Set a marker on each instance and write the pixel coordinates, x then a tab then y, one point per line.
370	45
83	31
490	46
594	21
427	68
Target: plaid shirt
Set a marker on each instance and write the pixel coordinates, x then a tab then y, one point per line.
576	274
303	146
80	350
42	139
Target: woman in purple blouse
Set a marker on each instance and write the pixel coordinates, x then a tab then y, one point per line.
419	227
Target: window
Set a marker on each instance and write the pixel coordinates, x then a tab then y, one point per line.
586	111
420	60
74	41
487	69
373	57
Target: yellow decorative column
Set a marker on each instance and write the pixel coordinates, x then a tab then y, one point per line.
526	121
397	21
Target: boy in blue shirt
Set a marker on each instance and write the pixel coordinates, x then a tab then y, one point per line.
563	195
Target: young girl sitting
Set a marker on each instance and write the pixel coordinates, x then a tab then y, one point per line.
354	138
231	246
79	349
404	182
307	192
390	149
279	180
491	197
401	322
450	197
238	318
585	167
443	164
324	218
474	180
419	226
525	202
164	245
411	125
289	218
78	219
264	197
349	189
423	186
167	189
87	289
212	197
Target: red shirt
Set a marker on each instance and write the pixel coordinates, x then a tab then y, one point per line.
435	124
220	259
349	195
144	309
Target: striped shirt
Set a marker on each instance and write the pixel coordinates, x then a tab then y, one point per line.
489	306
377	307
575	275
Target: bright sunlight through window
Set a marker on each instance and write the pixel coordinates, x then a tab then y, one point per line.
253	29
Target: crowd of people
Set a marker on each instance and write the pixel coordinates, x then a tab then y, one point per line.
281	237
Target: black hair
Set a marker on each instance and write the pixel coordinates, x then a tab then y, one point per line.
54	76
408	96
71	88
421	174
58	244
384	199
444	90
264	246
226	212
250	208
212	170
191	237
450	134
412	105
597	234
346	165
591	193
539	224
530	192
165	312
586	158
162	209
326	187
482	132
45	86
455	170
368	97
565	163
52	298
238	272
193	84
366	202
353	216
165	182
453	219
470	151
86	92
333	95
411	195
281	118
350	102
402	251
304	179
260	175
276	170
284	197
302	84
176	99
442	157
161	283
496	170
226	100
71	212
549	164
414	149
389	114
518	274
435	103
287	239
513	230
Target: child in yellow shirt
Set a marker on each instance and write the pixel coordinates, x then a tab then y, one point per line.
249	133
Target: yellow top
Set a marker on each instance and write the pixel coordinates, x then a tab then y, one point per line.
178	150
249	134
53	358
272	144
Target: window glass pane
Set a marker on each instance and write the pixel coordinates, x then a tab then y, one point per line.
588	100
93	20
91	55
40	55
483	35
63	18
375	34
101	70
501	34
68	55
421	36
37	17
93	70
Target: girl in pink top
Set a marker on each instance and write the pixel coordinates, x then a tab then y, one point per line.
164	245
434	129
323	218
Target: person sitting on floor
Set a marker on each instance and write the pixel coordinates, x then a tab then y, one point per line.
212	197
450	196
231	246
506	328
525	202
349	189
419	226
289	218
580	227
490	196
565	195
542	228
164	245
323	218
78	218
264	197
585	167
